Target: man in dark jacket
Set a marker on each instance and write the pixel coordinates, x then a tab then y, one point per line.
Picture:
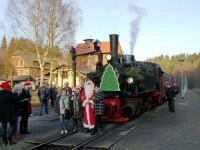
53	95
24	97
44	95
7	112
98	109
171	92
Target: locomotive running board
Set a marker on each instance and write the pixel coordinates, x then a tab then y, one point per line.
118	119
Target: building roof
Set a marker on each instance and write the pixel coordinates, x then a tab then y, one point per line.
105	47
23	78
82	70
28	57
87	47
60	67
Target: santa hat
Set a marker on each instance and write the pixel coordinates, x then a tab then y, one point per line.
6	86
27	84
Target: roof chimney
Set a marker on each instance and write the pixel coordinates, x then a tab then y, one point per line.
87	41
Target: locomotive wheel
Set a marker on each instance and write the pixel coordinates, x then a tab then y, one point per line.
132	108
129	111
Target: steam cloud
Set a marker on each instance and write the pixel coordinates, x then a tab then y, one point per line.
135	24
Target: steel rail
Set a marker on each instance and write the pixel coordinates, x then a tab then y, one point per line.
87	141
130	127
51	140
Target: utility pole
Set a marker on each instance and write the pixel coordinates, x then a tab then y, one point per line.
73	54
182	86
96	51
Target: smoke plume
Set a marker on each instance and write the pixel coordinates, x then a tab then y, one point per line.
135	24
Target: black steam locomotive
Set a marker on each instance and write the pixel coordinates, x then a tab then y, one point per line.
141	84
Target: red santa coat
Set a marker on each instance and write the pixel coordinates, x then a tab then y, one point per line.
27	84
88	110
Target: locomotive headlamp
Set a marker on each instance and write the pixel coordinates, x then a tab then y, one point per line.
108	57
130	80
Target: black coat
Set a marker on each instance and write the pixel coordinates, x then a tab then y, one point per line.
171	92
53	93
44	94
24	97
77	108
7	106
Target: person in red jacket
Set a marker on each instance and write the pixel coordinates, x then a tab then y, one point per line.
87	100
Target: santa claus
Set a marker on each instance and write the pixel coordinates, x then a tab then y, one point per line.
87	99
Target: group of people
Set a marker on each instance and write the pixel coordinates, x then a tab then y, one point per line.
14	104
83	105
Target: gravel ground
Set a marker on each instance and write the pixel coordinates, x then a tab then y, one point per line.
163	130
39	126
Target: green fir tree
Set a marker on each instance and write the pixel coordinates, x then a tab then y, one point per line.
4	44
11	47
109	80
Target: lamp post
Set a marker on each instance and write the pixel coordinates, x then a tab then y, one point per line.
182	90
10	70
99	64
73	54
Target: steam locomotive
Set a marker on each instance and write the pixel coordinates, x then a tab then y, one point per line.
141	84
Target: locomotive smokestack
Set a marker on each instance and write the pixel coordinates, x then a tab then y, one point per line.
114	46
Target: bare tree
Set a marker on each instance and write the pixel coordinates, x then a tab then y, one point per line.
48	23
60	20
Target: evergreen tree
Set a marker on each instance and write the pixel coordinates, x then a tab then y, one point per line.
190	65
109	80
4	43
12	46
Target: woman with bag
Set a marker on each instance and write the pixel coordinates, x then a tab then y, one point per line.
64	105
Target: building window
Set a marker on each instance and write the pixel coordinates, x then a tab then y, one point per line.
21	63
35	63
47	65
90	61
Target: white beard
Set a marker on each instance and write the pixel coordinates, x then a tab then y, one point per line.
89	89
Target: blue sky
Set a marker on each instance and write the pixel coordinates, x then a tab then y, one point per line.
168	27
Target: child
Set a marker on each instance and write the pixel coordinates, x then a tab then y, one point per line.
98	109
64	106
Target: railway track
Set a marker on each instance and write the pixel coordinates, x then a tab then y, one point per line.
123	130
95	137
80	145
111	135
45	143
